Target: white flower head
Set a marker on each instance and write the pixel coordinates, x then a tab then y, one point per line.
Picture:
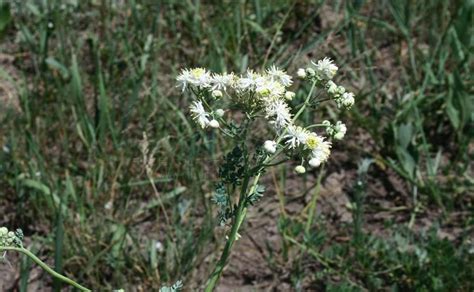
320	153
184	79
221	81
326	68
199	114
244	83
296	136
269	89
200	78
249	81
279	75
313	141
280	113
270	146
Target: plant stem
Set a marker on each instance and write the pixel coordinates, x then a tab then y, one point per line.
241	211
45	266
314	199
239	218
306	102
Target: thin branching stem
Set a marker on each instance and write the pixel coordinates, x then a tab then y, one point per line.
44	266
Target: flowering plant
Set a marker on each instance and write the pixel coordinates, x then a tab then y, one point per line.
255	97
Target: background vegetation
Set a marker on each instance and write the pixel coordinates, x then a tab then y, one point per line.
81	81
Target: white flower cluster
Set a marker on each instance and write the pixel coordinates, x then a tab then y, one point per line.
203	118
300	138
339	94
337	131
198	77
323	72
265	91
324	69
266	94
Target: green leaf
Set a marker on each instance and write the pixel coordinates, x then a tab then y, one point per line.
405	134
453	114
407	161
117	239
220	197
5	16
56	65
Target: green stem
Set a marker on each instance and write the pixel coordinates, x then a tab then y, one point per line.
306	102
242	207
44	266
239	219
314	199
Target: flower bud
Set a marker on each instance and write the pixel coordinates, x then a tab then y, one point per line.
216	94
314	162
289	95
301	73
340	90
310	72
214	124
300	169
219	112
270	146
332	88
348	99
340	130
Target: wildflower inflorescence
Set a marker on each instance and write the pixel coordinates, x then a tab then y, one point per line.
265	94
260	96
